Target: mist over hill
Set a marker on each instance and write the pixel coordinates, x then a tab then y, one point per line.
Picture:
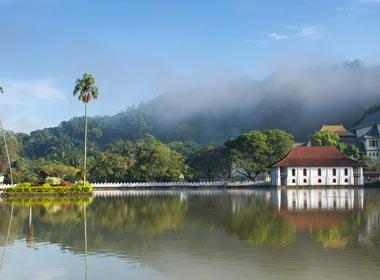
297	101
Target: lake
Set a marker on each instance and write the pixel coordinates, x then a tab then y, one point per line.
194	234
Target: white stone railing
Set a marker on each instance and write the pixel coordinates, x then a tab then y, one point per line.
167	184
6	186
177	184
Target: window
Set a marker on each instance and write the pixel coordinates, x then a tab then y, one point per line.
294	181
346	171
293	172
334	180
319	181
305	180
346	180
373	143
319	172
334	172
304	172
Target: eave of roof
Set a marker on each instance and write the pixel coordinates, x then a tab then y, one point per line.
340	130
325	156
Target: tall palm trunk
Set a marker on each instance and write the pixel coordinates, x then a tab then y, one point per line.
7	152
85	145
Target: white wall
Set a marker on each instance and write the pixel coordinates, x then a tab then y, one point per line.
312	178
372	152
275	176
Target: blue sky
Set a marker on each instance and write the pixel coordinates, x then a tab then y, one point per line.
140	49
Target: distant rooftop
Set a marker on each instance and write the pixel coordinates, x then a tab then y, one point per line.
340	130
369	120
316	156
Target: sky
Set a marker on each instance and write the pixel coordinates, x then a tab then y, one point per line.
140	49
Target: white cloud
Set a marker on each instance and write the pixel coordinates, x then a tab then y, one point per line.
311	32
41	89
277	36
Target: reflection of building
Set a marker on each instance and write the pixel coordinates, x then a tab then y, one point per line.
371	227
321	211
314	166
320	199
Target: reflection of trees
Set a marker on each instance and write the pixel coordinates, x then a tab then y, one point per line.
254	221
259	224
116	222
2	256
147	215
113	218
339	236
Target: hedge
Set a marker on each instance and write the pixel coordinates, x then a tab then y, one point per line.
28	188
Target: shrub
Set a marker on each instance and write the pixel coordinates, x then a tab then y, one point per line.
27	188
54	181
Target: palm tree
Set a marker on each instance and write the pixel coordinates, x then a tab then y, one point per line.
6	146
86	90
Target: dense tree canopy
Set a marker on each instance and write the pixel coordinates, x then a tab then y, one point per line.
256	151
328	138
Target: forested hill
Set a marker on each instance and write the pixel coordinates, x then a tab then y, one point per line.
298	102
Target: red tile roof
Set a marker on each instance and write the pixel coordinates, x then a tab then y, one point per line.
324	156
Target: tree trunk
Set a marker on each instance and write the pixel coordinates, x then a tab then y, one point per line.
85	145
7	152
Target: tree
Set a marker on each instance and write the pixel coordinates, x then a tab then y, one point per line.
86	90
6	146
154	161
186	148
328	138
256	151
325	138
210	163
115	163
352	151
54	169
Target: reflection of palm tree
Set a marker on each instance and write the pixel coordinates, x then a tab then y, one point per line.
6	146
7	239
29	235
85	240
87	90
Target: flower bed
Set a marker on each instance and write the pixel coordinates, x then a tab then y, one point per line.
27	189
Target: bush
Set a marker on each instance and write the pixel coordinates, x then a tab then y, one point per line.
54	181
27	188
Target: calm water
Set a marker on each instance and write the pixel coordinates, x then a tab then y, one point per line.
241	234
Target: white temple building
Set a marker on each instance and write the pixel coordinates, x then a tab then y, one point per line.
313	166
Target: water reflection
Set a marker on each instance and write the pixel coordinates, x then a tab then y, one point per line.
320	199
158	228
